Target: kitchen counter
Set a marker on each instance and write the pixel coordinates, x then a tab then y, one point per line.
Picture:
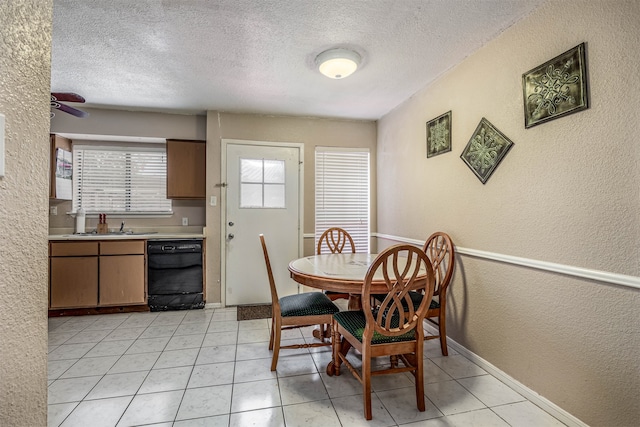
92	271
146	236
126	236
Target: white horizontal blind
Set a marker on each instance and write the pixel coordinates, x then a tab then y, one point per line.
342	193
120	179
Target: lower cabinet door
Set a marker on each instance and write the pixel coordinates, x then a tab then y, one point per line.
74	282
122	280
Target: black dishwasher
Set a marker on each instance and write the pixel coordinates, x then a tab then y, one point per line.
174	274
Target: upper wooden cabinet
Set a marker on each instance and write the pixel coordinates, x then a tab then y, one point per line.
186	169
56	142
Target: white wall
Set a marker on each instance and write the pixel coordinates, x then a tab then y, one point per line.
566	193
25	51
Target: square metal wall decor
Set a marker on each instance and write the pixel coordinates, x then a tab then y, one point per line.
556	88
439	135
484	151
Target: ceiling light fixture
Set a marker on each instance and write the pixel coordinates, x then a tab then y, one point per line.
338	63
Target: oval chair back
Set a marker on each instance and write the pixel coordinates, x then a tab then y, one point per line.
440	250
404	268
335	239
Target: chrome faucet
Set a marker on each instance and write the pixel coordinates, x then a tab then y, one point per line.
122	227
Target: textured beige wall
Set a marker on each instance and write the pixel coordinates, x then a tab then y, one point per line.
132	123
135	124
311	132
192	209
567	193
25	51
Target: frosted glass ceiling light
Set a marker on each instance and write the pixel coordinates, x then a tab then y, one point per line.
338	63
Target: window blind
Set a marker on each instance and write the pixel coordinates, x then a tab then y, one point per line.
342	193
120	179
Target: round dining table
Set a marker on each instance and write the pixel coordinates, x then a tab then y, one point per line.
340	272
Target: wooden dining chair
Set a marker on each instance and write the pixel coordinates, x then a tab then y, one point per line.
391	329
295	311
335	239
440	250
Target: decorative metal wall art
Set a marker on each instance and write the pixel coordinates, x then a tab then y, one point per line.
484	151
439	135
556	88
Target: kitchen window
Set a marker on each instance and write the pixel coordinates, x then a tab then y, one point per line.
342	193
120	179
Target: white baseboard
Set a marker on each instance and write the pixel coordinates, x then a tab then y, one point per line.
516	385
212	305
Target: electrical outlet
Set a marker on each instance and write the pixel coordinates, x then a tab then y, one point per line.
53	210
185	221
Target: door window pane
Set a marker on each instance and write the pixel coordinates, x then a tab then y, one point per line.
250	170
273	196
274	171
262	183
250	195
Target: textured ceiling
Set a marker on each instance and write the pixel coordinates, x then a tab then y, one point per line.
257	56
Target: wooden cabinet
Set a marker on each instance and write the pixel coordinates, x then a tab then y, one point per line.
186	169
73	274
122	273
97	274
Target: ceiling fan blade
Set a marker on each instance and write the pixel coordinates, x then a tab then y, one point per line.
69	110
66	96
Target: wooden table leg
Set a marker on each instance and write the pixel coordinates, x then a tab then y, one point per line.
355	302
317	333
333	368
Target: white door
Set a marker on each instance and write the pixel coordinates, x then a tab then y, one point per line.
262	196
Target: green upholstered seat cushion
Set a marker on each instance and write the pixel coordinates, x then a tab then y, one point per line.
416	297
355	322
307	304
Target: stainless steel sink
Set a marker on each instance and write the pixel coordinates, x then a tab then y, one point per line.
129	233
132	233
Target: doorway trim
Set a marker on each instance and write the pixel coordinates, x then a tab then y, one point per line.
224	142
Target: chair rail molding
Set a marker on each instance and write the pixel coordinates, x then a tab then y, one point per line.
585	273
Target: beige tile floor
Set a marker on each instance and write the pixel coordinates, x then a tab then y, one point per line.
204	368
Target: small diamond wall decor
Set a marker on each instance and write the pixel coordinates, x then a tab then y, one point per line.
484	151
556	88
439	135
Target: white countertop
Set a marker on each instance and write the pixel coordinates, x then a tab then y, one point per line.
137	236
